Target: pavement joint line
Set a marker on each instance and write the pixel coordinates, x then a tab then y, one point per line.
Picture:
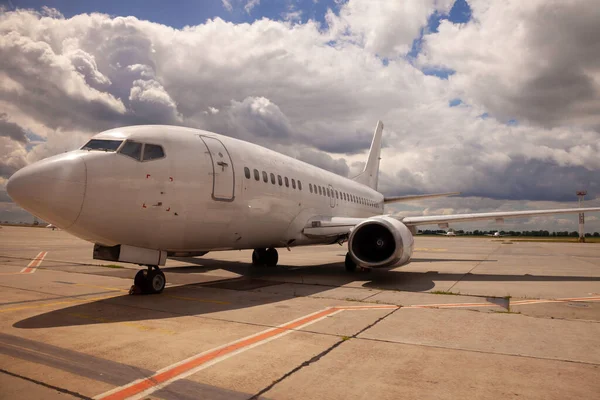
479	351
40	383
475	266
321	355
143	387
35	263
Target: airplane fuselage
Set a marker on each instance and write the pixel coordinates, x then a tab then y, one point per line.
208	192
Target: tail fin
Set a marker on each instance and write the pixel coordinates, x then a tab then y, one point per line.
370	175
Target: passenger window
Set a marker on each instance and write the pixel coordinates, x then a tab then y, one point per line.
299	185
336	195
272	178
256	175
320	190
152	152
265	177
310	187
287	182
293	184
247	172
132	149
280	180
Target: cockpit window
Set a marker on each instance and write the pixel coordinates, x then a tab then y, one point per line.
102	145
152	152
132	149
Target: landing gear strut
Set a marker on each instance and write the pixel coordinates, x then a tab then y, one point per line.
349	263
266	257
148	281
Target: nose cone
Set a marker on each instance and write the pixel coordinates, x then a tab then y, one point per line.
52	189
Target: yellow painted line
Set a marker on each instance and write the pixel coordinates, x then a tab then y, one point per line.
196	299
200	300
56	303
429	249
102	287
135	325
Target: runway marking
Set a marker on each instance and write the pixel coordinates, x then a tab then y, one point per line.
55	303
564	300
143	387
429	249
36	262
163	294
140	327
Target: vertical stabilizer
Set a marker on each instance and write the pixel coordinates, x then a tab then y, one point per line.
370	174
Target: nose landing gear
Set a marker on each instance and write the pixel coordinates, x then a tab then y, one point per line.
148	281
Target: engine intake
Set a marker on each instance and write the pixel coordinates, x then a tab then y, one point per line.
381	242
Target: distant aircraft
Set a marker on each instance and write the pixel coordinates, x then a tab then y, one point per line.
495	234
51	226
143	193
450	233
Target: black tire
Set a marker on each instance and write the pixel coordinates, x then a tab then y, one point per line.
349	263
259	257
156	281
141	279
271	257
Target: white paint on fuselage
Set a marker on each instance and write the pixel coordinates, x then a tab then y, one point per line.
168	203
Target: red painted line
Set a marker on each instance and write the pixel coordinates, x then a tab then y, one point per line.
36	262
176	370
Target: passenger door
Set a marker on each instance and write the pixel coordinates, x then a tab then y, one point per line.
332	198
222	170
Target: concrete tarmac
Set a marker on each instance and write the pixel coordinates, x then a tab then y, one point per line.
468	318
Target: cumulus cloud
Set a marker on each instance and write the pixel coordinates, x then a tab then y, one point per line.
315	91
386	28
536	61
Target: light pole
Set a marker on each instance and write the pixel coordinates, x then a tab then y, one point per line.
581	194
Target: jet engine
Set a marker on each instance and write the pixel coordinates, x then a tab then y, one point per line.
381	242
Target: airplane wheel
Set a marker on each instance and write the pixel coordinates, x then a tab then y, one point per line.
141	278
148	281
156	281
271	257
259	256
349	263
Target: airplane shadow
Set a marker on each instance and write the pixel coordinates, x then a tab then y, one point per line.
229	294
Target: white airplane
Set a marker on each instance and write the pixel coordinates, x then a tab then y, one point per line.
495	234
143	193
450	233
51	226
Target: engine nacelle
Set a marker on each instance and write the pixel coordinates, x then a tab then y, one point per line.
380	242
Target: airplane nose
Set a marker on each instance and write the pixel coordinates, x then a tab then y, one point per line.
52	189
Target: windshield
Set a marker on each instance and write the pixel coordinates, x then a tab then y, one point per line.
102	145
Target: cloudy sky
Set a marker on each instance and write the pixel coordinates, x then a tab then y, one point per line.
499	100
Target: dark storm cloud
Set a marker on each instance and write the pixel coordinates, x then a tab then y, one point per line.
522	179
12	130
566	88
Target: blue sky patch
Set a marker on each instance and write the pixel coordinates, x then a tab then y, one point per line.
188	12
440	72
455	102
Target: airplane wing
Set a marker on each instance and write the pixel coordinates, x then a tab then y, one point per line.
323	226
444	219
396	199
